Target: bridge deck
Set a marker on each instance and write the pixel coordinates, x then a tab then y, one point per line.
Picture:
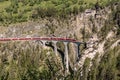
40	38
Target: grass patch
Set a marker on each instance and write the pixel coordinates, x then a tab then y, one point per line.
4	5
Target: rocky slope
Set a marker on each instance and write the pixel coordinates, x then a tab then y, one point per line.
96	29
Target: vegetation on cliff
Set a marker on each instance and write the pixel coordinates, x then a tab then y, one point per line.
14	11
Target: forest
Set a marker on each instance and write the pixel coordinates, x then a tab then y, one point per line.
14	11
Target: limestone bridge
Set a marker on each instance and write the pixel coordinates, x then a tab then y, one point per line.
54	40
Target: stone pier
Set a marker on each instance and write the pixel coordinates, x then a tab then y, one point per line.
77	49
66	57
55	47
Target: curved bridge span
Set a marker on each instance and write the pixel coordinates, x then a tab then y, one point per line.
54	41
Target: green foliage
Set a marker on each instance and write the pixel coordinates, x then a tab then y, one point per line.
108	68
118	62
86	69
30	63
44	8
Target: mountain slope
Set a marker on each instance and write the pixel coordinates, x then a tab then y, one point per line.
29	60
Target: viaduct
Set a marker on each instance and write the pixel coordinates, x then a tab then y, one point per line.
54	41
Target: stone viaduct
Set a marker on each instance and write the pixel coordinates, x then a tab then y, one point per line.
54	41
